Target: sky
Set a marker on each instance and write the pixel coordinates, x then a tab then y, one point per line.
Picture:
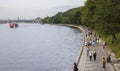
28	9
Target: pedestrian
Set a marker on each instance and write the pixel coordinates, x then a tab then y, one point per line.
75	67
109	59
104	62
97	41
90	55
94	55
86	43
86	35
87	49
104	45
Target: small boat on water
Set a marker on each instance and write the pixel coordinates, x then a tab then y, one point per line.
13	25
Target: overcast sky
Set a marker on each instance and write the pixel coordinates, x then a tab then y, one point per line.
27	9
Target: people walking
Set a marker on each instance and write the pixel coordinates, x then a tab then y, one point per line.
75	67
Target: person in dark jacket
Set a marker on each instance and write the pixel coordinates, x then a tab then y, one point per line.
109	59
94	55
75	67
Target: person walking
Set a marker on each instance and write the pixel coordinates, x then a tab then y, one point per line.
104	62
90	55
109	59
75	67
94	55
104	45
87	50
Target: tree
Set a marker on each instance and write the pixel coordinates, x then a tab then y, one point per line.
88	12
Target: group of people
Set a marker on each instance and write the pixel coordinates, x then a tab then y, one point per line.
106	60
89	42
91	53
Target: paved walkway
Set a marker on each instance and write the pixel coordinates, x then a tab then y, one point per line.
86	65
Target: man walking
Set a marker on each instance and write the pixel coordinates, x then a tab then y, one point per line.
94	55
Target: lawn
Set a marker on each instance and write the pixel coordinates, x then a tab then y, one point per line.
113	46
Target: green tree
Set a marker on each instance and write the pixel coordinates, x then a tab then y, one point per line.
88	12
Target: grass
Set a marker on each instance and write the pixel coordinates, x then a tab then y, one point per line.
114	47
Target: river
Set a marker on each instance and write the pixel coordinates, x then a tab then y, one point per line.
37	47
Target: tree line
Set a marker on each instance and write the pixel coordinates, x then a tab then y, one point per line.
100	15
71	16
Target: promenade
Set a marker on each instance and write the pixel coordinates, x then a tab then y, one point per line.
86	65
83	61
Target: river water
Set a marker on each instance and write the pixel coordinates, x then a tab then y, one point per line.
37	47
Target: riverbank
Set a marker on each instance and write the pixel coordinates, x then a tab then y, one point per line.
83	62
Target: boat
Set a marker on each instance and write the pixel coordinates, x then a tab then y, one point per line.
13	25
